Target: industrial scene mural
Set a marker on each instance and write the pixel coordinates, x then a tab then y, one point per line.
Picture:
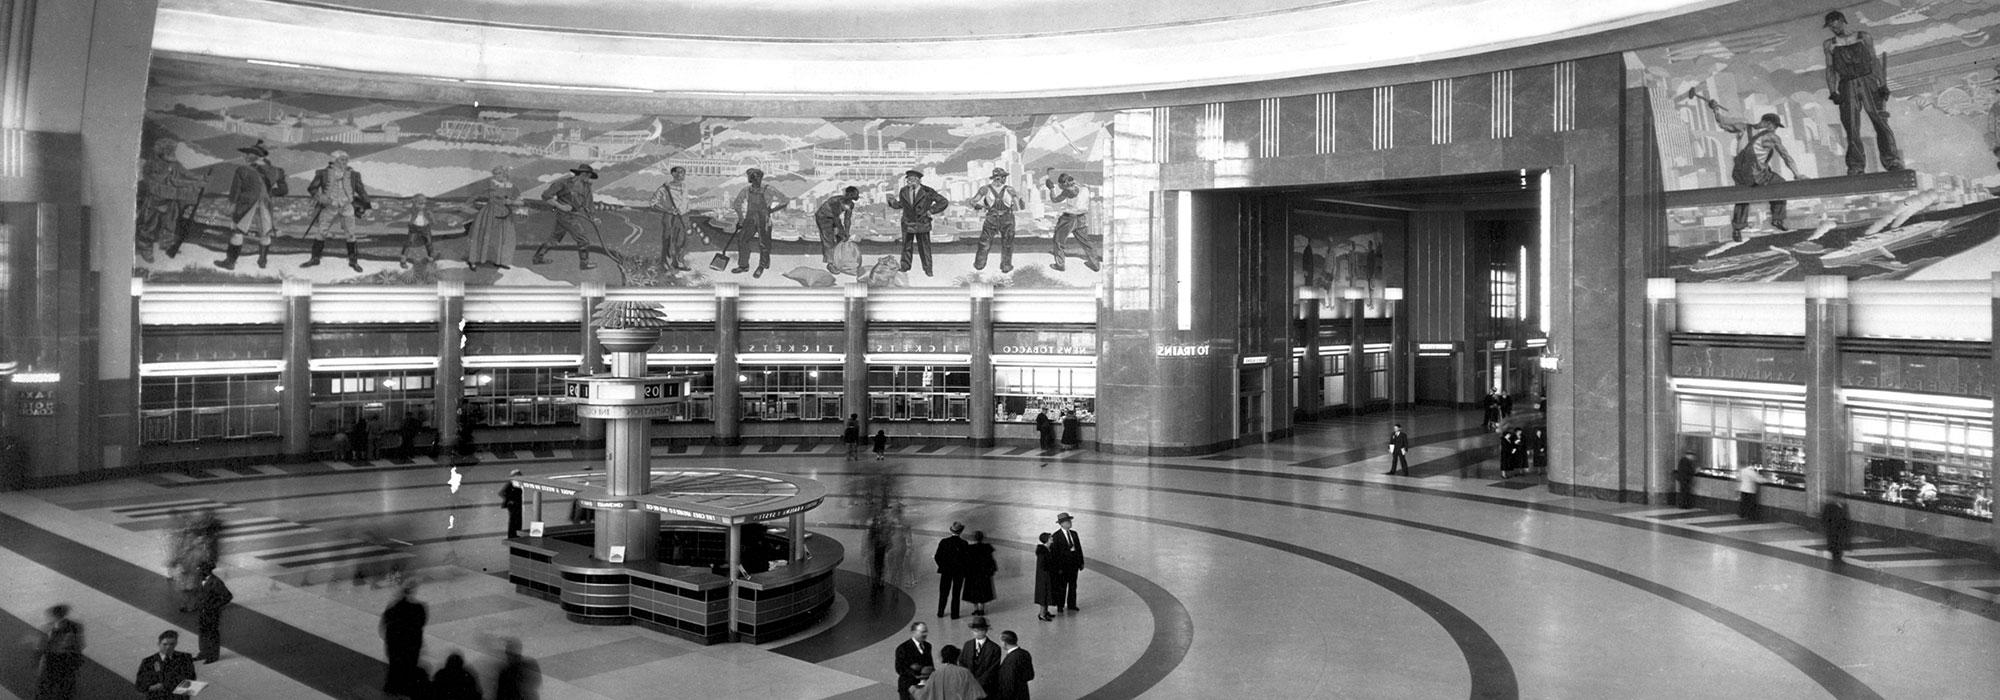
251	185
1862	140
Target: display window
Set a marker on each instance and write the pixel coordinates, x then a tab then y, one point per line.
701	392
1022	393
1923	460
1377	366
384	397
791	392
1729	433
518	396
920	392
188	409
1333	380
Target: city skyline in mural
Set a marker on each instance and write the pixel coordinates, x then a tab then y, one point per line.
1932	70
447	153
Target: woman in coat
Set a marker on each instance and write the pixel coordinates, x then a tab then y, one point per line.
492	231
1072	430
1044	563
979	569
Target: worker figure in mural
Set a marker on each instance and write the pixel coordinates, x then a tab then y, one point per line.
168	195
339	200
919	203
754	206
671	201
251	188
999	200
1071	201
1857	80
573	199
1753	167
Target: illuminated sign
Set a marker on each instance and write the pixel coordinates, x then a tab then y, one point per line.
36	402
1181	350
1034	342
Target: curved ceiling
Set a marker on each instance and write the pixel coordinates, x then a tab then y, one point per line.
883	49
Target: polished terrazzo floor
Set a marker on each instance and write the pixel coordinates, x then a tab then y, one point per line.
1289	570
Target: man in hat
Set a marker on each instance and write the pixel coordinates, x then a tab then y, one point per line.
981	656
573	202
167	196
1753	167
510	499
999	200
1071	200
950	557
1859	86
1066	555
835	220
753	206
338	199
919	203
251	188
671	200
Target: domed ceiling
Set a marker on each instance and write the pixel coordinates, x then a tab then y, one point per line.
901	49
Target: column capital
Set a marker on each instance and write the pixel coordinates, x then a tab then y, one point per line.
727	290
590	289
1826	287
1661	289
451	289
295	287
857	290
979	290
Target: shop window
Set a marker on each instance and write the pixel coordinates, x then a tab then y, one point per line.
1730	433
384	397
1503	293
1022	393
920	392
1377	364
187	409
518	396
1333	380
1927	461
791	392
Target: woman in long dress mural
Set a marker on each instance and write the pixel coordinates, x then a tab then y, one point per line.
492	233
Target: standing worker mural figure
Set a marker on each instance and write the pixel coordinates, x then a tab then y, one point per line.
919	203
572	198
753	206
1858	82
339	200
671	200
1071	201
999	200
251	188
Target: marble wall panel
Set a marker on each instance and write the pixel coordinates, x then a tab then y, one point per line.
1354	121
1534	100
1483	155
1412	115
1298	125
1472	109
1415	161
1184	132
1241	129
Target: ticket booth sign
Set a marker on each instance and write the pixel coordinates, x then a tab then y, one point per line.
35	402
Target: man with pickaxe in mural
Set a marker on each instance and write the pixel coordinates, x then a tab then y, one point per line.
1752	167
574	203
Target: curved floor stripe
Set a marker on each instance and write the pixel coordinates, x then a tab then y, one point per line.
874	612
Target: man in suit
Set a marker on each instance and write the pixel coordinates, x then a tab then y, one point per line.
402	631
251	188
950	558
510	499
1684	480
572	198
339	200
913	659
919	203
982	656
1066	548
212	595
1017	667
161	673
1399	450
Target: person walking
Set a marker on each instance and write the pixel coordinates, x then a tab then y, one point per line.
519	678
1045	563
58	656
1017	667
979	570
402	632
981	656
881	441
950	558
1399	450
1684	480
851	436
1748	480
455	680
1839	530
510	499
164	671
1072	430
492	234
950	681
913	660
213	595
1066	548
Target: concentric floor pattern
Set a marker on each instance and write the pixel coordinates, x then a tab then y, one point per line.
1289	570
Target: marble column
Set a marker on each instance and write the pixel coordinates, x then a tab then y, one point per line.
1662	443
295	402
590	361
449	382
1826	423
982	364
1310	370
854	369
1356	305
1994	388
725	408
1399	335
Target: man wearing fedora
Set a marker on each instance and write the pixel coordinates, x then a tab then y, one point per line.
999	200
753	206
339	199
919	203
1753	167
1066	549
573	201
981	656
251	188
950	558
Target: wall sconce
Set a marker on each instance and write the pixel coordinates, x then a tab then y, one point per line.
1352	293
1550	363
1393	293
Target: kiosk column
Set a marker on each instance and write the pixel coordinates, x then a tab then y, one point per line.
588	363
1662	450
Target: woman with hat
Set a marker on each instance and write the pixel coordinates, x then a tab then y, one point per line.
493	236
979	569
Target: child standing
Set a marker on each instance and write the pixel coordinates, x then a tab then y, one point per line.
420	232
881	441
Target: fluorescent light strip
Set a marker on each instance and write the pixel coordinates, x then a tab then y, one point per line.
1184	261
1542	274
1376	347
1257	360
803	358
913	359
210	367
680	358
332	364
283	64
1045	360
562	361
1898	400
38	378
552	86
1731	387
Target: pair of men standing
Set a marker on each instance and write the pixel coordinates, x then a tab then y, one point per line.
338	195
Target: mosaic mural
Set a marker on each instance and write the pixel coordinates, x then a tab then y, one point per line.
1917	84
483	171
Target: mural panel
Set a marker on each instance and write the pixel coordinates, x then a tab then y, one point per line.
239	186
1340	253
1815	110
